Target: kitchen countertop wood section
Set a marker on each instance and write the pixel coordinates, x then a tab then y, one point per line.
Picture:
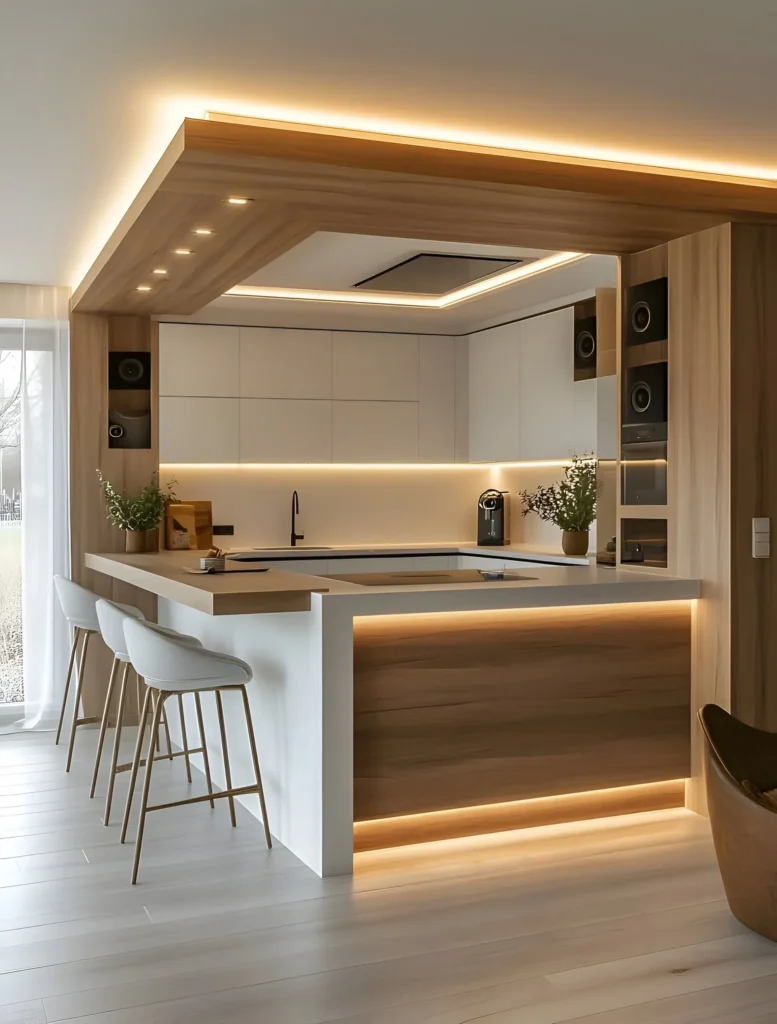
233	593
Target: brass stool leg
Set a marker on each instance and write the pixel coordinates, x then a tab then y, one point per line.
255	759
79	686
204	745
227	770
136	762
104	725
167	736
73	649
183	737
116	743
159	700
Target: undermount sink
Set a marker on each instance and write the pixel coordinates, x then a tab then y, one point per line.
255	554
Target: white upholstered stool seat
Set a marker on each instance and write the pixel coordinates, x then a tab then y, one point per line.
111	617
171	667
79	606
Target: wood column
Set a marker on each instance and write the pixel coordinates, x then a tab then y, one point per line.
92	336
722	459
753	471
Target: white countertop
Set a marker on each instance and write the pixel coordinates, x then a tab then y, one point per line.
552	587
527	552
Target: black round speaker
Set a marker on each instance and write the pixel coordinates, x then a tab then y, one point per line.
130	370
640	317
585	345
640	397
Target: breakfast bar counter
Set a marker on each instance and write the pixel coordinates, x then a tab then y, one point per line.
403	708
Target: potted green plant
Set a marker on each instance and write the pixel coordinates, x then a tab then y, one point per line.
569	504
135	515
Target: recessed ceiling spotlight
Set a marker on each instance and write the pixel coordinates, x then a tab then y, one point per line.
182	252
143	288
203	231
239	201
159	271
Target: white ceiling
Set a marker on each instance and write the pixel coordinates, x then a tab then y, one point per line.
91	90
334	261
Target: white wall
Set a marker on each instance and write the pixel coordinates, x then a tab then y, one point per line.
274	395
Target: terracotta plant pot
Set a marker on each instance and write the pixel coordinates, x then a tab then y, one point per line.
134	541
575	542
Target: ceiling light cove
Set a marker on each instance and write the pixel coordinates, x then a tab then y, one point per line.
453	298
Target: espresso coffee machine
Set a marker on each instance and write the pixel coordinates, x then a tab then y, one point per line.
493	518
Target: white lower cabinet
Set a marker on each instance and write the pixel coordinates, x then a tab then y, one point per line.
436	562
480	562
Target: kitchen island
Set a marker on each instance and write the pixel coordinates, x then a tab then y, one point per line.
400	708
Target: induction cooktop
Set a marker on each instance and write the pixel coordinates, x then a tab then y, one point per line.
442	577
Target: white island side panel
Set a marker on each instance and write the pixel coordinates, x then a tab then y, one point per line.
291	723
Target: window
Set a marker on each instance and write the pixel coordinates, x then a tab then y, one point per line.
11	657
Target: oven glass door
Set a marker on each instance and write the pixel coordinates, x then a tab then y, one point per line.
643	469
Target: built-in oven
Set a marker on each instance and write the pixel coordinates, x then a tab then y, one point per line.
643	473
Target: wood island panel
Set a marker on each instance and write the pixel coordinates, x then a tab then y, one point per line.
463	709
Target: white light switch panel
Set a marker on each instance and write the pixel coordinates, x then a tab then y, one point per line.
761	538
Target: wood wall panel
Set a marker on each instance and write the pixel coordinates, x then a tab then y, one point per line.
92	336
699	457
458	709
753	471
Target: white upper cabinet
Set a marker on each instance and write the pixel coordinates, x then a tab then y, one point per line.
375	432
378	367
436	394
524	404
494	420
280	363
199	429
199	360
306	395
285	430
546	397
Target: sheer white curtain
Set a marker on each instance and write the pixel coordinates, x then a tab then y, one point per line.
43	337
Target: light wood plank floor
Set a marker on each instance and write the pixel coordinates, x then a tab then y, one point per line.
618	922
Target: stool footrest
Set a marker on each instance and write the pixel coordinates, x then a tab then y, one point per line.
86	721
242	791
158	757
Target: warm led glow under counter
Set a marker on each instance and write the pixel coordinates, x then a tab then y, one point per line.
463	822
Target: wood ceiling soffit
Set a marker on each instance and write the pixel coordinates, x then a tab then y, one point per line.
659	187
307	181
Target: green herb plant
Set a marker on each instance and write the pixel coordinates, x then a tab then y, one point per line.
571	503
145	511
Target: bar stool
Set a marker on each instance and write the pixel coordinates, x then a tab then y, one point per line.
111	617
169	666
